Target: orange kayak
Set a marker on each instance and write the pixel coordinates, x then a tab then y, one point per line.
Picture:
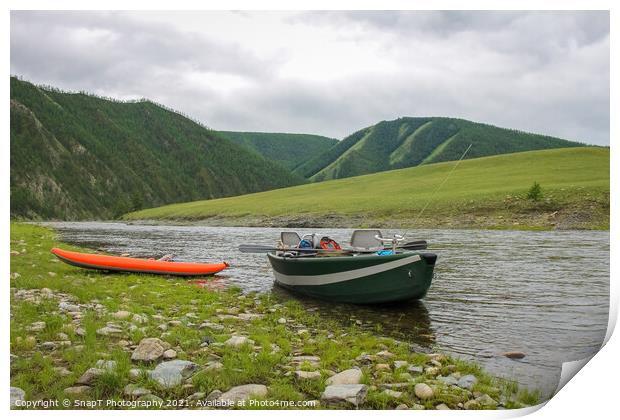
137	265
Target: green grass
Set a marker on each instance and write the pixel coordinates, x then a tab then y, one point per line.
484	192
35	369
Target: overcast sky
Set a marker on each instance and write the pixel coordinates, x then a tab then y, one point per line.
333	73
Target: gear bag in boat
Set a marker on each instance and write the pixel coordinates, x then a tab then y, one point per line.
328	243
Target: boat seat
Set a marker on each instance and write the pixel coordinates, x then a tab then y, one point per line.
290	239
364	239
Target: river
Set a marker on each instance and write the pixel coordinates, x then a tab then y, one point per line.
542	293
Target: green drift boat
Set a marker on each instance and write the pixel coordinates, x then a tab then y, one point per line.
366	273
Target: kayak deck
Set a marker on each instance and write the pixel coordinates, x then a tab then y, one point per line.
137	265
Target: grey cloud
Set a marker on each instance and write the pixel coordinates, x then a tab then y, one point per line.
545	72
109	50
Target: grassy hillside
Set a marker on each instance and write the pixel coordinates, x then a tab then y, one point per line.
482	192
76	156
290	150
407	142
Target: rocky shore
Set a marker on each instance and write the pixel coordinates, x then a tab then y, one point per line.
153	342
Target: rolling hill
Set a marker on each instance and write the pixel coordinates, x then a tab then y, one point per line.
409	141
283	148
482	192
77	156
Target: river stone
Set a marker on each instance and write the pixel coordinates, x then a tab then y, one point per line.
121	314
346	377
37	326
243	393
213	365
109	330
238	341
77	390
385	354
196	396
415	369
89	376
62	371
48	345
249	317
170	354
349	393
300	374
448	380
282	321
17	394
400	363
485	400
392	393
467	381
471	405
423	391
68	307
402	407
310	359
418	407
135	391
514	354
214	395
442	407
135	373
211	325
172	373
149	349
366	359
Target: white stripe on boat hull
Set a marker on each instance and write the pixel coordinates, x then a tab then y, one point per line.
343	275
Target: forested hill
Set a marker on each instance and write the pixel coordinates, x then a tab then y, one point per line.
77	156
290	150
408	141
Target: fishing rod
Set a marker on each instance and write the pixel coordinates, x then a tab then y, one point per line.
441	185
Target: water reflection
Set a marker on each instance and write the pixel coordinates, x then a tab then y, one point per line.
407	321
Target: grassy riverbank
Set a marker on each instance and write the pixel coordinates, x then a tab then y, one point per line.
80	334
488	192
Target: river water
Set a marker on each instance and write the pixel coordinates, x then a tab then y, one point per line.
542	293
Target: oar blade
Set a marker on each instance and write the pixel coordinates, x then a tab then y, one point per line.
413	245
256	249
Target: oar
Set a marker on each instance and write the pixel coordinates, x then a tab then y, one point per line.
263	249
413	245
